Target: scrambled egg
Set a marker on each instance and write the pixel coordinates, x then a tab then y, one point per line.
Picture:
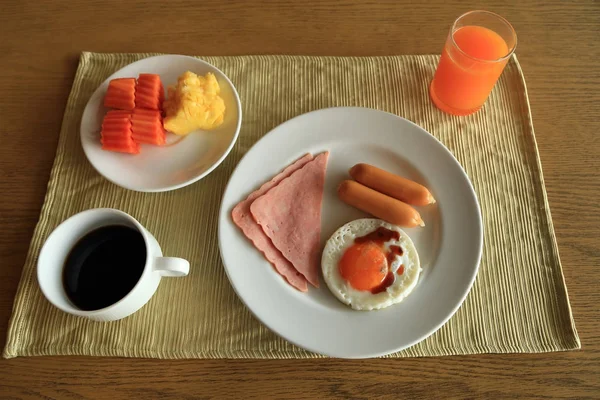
194	103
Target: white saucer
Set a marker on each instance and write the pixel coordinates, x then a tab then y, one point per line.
184	160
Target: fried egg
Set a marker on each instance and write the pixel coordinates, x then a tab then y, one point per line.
370	264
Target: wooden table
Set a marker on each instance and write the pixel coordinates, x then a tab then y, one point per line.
559	49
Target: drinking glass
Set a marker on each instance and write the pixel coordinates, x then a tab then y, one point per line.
477	49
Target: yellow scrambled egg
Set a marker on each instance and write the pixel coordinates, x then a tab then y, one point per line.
194	103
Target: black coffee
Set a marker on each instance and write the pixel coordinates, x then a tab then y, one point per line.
104	266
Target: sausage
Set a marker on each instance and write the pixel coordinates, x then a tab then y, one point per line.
393	185
379	205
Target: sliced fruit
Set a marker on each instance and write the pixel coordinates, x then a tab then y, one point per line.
147	127
125	121
120	94
148	114
118	113
116	133
149	92
130	149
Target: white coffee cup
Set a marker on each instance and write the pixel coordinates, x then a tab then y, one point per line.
60	242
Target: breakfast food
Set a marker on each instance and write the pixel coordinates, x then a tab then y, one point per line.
120	94
116	133
243	219
147	127
138	115
393	185
127	93
379	205
283	219
370	264
290	215
149	92
194	103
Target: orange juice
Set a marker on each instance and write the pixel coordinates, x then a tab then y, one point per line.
472	60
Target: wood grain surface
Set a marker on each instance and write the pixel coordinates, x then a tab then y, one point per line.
559	49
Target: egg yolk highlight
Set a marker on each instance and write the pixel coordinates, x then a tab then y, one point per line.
363	266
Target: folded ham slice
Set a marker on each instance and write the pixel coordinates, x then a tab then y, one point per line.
290	215
243	219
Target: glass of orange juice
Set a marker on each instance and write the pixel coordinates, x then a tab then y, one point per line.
476	51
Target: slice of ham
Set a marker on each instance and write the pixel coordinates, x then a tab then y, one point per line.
243	219
290	215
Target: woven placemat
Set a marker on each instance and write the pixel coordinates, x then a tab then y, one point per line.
519	302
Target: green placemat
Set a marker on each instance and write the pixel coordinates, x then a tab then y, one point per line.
519	302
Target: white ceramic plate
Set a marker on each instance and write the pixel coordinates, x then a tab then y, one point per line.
185	159
449	246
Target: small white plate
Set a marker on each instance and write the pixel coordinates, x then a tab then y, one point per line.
184	160
449	246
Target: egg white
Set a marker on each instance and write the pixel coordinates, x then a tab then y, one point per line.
342	239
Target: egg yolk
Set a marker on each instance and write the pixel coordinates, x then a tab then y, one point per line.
363	266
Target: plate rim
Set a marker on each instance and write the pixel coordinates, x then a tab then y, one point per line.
190	181
436	327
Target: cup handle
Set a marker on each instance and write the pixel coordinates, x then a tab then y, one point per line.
171	266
